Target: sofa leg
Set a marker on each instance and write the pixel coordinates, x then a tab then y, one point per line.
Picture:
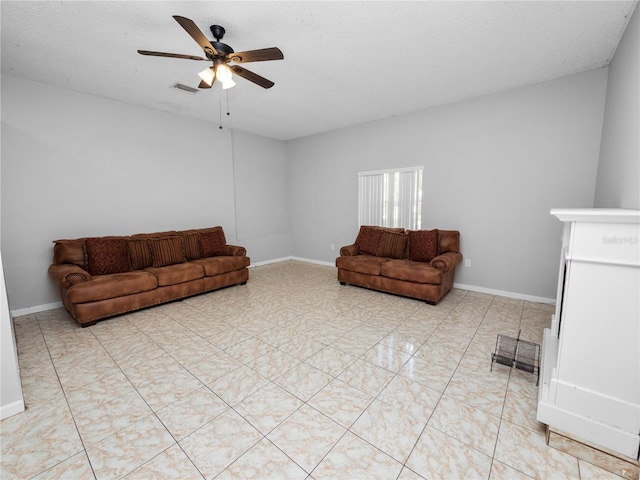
243	283
343	283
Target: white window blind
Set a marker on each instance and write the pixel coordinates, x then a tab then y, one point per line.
391	198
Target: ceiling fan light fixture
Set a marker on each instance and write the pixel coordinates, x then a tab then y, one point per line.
207	76
223	72
228	84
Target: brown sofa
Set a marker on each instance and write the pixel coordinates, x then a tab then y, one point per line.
419	264
104	276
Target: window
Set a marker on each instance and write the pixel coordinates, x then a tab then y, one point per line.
391	198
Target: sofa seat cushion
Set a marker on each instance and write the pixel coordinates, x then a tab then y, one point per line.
103	287
365	264
411	271
222	264
178	273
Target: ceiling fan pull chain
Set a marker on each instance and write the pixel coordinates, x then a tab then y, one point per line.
228	114
220	107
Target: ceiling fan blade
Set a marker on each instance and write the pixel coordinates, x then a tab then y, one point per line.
261	55
252	77
196	34
172	55
204	84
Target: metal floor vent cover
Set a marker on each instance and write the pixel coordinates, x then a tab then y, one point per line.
184	88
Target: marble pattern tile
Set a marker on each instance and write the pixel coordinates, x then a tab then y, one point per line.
314	359
304	381
428	374
470	425
500	471
249	349
172	464
219	443
169	388
369	378
302	347
123	452
269	406
37	440
110	417
331	360
306	436
386	428
437	455
186	415
533	457
410	398
341	402
264	460
386	357
98	393
440	354
73	467
486	393
238	385
589	471
273	364
354	458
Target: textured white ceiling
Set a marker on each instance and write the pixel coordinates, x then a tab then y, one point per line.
345	62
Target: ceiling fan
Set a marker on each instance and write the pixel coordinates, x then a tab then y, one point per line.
220	55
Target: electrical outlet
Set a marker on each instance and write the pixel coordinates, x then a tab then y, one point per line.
467	263
333	247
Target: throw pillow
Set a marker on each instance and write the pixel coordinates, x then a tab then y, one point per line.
423	245
392	245
368	240
107	255
139	254
213	243
166	251
191	243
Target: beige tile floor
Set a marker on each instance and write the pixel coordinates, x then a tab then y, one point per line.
291	376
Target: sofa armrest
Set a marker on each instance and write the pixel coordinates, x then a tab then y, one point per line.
446	261
67	274
235	251
349	251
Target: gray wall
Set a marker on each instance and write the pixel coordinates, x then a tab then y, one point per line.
260	170
618	184
78	165
494	167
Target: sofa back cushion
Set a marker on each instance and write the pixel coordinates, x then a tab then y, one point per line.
449	241
107	255
423	245
140	254
212	242
369	236
191	243
69	251
392	245
166	251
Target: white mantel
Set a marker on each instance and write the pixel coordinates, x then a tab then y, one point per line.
590	379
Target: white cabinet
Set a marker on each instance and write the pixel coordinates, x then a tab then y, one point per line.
590	380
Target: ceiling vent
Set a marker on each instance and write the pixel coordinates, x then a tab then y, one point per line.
184	88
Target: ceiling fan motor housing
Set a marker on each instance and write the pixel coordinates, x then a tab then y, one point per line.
218	33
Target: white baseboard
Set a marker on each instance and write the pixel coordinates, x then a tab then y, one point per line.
35	309
11	409
268	262
472	288
297	259
503	293
316	262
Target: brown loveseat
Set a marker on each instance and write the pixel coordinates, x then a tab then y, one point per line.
104	276
418	264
